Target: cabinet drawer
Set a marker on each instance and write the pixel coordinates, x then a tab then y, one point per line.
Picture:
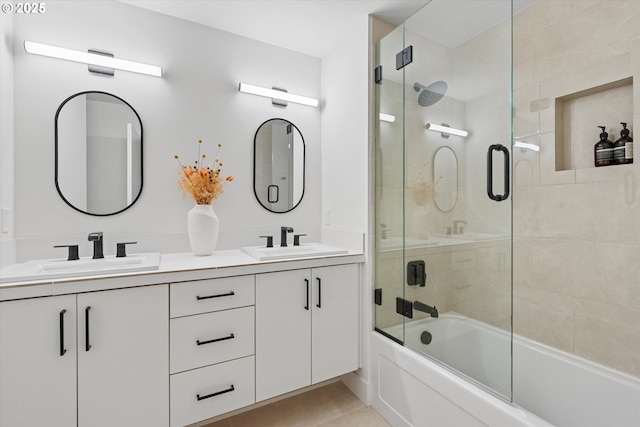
463	260
202	296
211	338
207	392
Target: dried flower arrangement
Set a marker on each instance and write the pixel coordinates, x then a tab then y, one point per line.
202	183
420	191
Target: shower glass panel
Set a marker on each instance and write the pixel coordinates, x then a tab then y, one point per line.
443	203
389	188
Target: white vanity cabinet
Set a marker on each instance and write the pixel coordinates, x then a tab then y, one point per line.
306	327
38	362
127	351
106	350
212	347
123	357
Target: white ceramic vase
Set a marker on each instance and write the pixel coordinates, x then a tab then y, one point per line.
203	226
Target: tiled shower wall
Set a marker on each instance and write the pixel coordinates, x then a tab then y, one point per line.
577	227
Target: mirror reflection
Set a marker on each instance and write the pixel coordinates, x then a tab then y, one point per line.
98	153
278	165
445	179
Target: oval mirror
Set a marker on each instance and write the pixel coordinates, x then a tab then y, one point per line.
278	165
445	179
98	153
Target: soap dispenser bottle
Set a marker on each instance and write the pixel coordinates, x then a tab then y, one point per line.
603	150
623	147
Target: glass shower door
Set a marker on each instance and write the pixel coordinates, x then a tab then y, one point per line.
442	178
389	188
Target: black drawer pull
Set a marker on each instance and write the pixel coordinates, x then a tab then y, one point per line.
319	304
230	337
306	307
218	393
198	297
62	349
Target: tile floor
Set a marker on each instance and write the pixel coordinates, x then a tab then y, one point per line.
332	405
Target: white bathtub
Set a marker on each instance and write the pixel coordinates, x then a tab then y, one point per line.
550	387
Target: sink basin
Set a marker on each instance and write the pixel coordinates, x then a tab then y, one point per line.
57	268
262	253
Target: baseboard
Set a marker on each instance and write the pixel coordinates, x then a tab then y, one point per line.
357	385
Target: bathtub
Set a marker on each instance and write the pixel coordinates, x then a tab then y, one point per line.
550	387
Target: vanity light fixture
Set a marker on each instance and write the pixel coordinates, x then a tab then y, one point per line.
91	58
525	145
387	117
277	94
447	130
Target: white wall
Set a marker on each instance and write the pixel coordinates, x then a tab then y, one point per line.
7	242
345	161
197	98
345	121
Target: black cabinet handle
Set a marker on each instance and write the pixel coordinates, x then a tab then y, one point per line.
319	304
87	346
505	151
306	307
62	349
230	337
228	294
218	393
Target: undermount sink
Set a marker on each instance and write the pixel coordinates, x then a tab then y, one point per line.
262	253
57	268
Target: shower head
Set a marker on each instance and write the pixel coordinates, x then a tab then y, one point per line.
430	94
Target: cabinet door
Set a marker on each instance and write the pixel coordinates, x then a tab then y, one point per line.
38	362
123	367
335	326
283	332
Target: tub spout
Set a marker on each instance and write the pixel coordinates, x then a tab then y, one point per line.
432	311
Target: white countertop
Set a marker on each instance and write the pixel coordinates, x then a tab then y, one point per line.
173	268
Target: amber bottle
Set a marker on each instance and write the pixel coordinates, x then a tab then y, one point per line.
603	150
623	147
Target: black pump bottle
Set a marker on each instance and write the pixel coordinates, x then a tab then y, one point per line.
623	147
603	150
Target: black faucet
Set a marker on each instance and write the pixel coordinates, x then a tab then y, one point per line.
458	226
433	311
96	238
283	235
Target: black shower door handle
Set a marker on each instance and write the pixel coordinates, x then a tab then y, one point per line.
505	151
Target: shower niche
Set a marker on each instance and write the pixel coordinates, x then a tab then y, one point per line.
578	115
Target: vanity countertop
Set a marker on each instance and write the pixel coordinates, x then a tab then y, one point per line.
178	267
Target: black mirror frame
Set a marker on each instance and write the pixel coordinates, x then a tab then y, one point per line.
141	152
304	167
